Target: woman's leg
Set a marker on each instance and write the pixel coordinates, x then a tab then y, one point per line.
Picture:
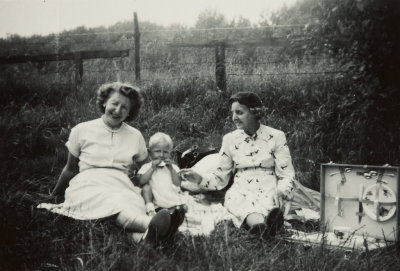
265	226
274	220
255	224
132	221
160	228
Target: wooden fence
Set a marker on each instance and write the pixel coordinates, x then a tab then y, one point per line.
78	57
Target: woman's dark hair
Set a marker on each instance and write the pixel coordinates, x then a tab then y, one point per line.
251	100
133	93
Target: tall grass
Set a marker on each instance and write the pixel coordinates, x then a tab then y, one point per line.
319	114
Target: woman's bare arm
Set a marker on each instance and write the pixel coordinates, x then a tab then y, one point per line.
68	172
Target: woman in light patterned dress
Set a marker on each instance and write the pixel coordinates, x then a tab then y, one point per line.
99	152
259	158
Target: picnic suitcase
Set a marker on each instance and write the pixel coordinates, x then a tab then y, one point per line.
360	200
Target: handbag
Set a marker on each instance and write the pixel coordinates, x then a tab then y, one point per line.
189	157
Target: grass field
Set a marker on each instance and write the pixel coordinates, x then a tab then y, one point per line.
316	111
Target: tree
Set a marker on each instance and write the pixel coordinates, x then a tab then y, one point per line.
368	31
210	18
364	37
240	22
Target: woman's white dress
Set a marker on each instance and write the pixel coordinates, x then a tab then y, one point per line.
261	164
102	188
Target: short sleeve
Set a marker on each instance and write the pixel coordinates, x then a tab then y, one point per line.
73	144
142	150
144	168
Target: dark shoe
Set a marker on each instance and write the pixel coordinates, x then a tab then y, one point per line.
177	217
259	229
158	228
274	222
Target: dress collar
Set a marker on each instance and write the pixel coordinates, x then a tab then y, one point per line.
252	137
108	128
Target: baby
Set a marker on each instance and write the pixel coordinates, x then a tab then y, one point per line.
159	178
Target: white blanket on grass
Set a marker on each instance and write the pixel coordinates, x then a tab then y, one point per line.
202	216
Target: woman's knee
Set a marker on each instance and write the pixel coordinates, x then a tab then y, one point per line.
255	218
133	221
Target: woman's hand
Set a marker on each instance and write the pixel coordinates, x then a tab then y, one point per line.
190	175
279	199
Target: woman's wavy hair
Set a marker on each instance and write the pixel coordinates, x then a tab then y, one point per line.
133	93
251	100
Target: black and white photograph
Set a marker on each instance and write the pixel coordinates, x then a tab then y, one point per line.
199	135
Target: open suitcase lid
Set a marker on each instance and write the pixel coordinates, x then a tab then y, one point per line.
362	197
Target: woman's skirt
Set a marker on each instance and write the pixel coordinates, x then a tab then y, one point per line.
98	193
253	191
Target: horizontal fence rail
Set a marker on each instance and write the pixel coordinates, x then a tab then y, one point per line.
64	56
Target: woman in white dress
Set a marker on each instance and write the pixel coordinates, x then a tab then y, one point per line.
99	152
259	158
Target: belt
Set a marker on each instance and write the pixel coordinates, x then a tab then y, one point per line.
267	171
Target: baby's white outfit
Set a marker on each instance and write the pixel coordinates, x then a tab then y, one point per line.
165	193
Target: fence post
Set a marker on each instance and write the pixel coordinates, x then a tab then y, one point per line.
78	62
220	70
137	46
